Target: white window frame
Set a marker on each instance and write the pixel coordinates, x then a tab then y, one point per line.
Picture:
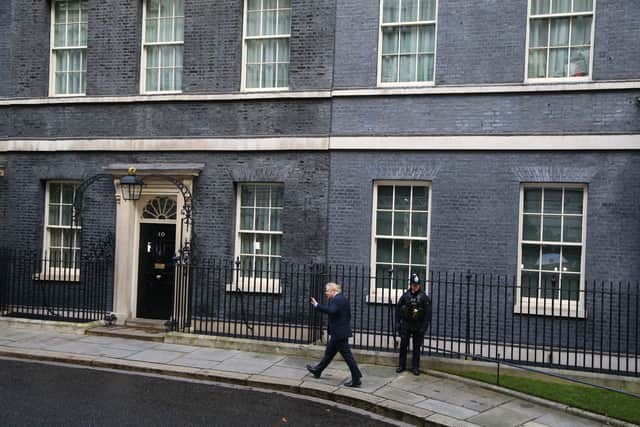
253	285
391	296
548	306
243	72
551	15
143	54
52	57
381	25
55	273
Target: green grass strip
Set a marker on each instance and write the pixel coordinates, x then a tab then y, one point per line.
591	399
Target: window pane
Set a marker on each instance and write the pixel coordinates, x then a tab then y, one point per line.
400	277
570	287
151	79
581	30
420	198
389	40
529	284
419	252
559	32
571	258
262	244
283	50
253	24
262	267
277	196
551	258
276	219
382	276
59	35
68	191
572	229
407	68
246	218
383	223
54	215
403	198
425	68
151	30
246	265
283	75
262	219
262	195
75	83
55	193
253	76
284	22
269	75
532	200
276	241
253	4
427	10
531	257
537	64
385	197
561	6
539	33
401	251
551	228
579	62
246	243
167	56
390	11
269	4
409	11
166	79
550	284
283	4
427	38
56	238
179	30
269	23
401	224
582	5
383	250
531	227
558	62
389	69
552	201
539	7
573	201
408	39
67	213
419	224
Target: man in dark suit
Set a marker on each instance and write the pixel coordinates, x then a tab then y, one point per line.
339	332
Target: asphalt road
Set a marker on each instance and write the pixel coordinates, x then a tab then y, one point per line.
34	394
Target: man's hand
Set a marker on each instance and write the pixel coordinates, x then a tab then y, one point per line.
313	301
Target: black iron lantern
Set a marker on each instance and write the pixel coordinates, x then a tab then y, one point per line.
131	185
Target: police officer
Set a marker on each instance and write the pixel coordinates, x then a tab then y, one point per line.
413	316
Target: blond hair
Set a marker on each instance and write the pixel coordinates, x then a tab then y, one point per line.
333	285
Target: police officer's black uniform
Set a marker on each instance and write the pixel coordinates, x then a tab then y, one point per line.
413	316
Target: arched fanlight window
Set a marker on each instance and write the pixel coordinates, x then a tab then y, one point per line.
160	208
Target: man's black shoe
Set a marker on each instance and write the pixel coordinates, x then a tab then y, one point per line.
353	384
415	371
399	369
314	371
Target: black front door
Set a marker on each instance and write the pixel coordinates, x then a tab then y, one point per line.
155	270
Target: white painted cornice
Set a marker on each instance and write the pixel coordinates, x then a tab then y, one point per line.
335	93
334	143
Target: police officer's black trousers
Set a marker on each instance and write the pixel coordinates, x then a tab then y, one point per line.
417	338
342	346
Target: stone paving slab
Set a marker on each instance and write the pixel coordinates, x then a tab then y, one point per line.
421	400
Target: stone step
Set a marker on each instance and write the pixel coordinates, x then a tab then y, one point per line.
152	324
128	332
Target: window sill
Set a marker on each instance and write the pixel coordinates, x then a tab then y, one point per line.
57	276
383	85
265	287
383	299
551	310
551	80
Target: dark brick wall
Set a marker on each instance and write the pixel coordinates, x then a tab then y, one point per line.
6	44
212	46
312	40
113	47
145	120
616	35
31	45
551	113
474	218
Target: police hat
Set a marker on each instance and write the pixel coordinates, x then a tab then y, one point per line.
415	279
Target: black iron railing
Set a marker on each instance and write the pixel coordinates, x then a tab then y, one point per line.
76	289
490	317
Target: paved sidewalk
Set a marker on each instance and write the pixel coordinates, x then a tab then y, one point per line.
424	400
